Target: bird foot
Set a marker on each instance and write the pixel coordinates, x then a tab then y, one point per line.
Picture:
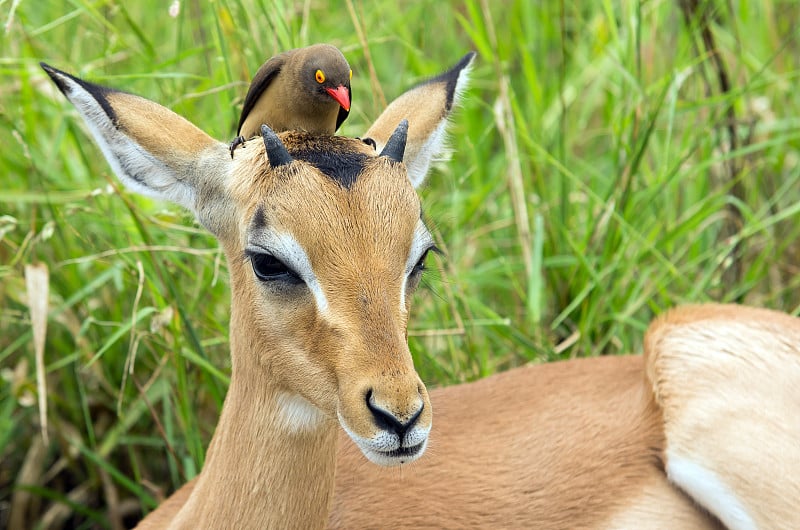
239	140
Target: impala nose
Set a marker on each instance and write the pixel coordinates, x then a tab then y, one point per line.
391	422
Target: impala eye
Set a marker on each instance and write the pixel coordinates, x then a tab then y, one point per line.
420	266
415	274
268	268
320	76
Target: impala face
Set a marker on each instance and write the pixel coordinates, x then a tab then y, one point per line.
327	266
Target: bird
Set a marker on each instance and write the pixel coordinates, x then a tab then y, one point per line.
306	89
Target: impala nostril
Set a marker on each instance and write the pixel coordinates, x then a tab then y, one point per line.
389	422
383	419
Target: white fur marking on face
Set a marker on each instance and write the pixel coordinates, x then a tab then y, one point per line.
286	248
420	242
298	413
709	491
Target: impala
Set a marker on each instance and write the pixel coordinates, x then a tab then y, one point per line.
325	246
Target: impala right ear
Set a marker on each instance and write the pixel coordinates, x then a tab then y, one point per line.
427	108
152	150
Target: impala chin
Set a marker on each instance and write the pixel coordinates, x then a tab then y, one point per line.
387	448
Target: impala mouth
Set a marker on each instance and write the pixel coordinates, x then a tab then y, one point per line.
395	457
402	452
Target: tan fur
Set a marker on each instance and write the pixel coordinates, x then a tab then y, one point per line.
576	444
657	506
527	448
144	120
728	379
570	445
330	360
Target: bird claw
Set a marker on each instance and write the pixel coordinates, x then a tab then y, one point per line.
239	140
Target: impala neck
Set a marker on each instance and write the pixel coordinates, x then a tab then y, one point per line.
261	471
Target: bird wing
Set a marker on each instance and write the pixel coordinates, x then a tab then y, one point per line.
265	75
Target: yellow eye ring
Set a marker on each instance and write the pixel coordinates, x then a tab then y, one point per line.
320	77
351	74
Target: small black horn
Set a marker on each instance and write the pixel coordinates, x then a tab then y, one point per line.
276	151
396	146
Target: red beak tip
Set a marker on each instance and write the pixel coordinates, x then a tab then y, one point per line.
341	95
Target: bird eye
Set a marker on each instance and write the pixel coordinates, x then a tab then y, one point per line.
351	74
320	76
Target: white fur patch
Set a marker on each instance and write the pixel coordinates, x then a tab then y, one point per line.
709	491
298	413
432	148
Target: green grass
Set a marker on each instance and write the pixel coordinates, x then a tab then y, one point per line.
593	183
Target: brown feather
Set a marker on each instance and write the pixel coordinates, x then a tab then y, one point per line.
285	95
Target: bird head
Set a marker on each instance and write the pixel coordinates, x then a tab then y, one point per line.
326	73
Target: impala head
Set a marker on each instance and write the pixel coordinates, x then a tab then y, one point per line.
325	245
322	273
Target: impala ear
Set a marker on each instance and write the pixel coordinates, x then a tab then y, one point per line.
427	108
152	150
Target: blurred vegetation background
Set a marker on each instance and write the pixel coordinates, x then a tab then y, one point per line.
610	160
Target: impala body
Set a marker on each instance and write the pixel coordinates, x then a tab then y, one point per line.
325	246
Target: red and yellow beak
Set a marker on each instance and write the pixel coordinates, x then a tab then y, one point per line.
342	96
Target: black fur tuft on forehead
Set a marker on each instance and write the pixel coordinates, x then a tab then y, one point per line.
344	168
335	156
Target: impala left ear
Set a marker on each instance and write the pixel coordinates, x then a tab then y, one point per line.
152	150
427	108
